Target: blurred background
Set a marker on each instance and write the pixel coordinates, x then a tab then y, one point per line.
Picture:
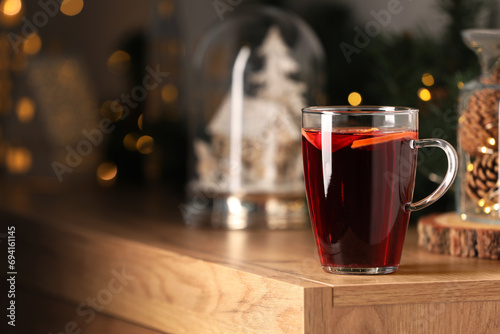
75	110
96	101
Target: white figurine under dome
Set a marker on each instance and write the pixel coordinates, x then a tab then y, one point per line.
270	133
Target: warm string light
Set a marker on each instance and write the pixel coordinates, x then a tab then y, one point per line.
427	79
135	142
487	207
354	99
18	160
119	62
106	173
32	44
140	122
11	7
145	144
424	94
25	109
485	150
71	7
130	141
169	93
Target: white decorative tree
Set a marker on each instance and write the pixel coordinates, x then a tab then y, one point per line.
275	77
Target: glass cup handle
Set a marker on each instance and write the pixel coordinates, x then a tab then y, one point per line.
451	172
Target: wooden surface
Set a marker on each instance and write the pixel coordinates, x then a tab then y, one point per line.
58	316
448	234
212	281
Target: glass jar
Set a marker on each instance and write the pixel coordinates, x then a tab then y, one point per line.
479	104
252	74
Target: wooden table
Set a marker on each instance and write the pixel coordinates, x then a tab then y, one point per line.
130	257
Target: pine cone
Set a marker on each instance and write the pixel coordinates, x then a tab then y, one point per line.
481	181
479	121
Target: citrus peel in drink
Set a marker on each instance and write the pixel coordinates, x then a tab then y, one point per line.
382	139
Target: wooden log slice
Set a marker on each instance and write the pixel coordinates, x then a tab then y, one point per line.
448	234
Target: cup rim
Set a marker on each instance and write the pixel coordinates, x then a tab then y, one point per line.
359	110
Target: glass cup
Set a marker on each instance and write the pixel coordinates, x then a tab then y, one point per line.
359	168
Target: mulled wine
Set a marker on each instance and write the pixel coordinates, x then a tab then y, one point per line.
359	184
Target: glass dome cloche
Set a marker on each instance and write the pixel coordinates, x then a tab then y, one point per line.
478	136
251	75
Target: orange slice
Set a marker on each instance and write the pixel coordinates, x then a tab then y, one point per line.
383	139
313	137
341	140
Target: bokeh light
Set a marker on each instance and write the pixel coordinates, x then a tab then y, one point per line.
140	121
145	144
427	79
130	141
25	109
119	62
354	99
112	110
18	160
107	171
32	44
424	94
11	7
71	7
460	85
169	93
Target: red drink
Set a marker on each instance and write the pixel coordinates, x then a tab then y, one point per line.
361	185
